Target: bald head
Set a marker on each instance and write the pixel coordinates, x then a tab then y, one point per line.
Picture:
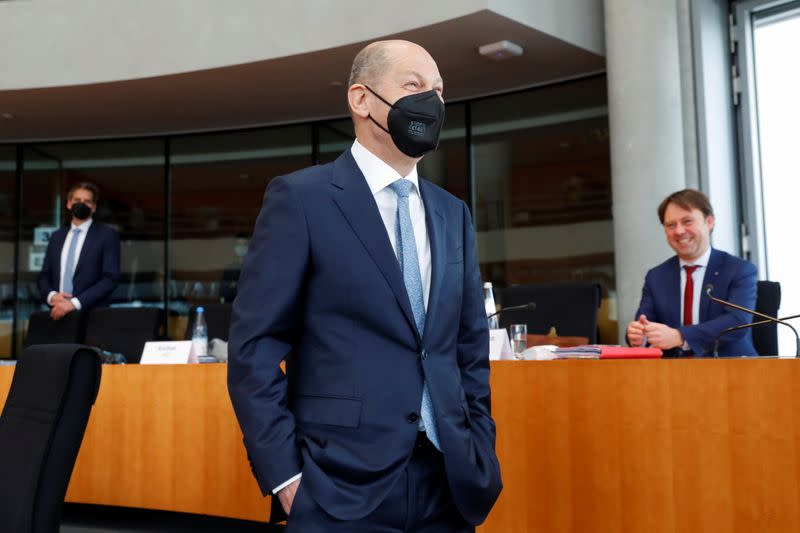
375	59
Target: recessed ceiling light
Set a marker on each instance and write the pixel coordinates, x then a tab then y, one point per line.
500	50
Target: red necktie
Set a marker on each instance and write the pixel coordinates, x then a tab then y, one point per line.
688	295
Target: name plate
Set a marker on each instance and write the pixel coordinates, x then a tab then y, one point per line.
499	345
168	353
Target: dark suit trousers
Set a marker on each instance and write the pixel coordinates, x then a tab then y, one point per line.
419	502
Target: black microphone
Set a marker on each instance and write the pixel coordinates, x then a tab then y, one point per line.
530	306
767	318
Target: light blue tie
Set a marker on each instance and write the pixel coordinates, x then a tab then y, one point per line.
409	266
69	265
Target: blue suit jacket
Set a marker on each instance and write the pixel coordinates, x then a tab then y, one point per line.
97	272
733	279
321	288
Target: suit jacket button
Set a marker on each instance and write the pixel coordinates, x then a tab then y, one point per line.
413	417
423	354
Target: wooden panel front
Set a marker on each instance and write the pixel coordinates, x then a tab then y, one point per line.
659	446
626	446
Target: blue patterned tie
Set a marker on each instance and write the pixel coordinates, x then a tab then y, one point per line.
409	265
69	265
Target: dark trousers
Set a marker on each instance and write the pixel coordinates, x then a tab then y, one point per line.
419	502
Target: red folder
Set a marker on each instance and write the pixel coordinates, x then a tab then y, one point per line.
625	352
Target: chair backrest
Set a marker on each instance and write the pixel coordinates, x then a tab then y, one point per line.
768	302
123	329
569	307
41	429
44	330
218	320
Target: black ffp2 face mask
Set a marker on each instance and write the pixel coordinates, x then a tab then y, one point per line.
414	122
81	211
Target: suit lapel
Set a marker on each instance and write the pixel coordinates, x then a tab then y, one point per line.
710	278
354	198
436	232
673	288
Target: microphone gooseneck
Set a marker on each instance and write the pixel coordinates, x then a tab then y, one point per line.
530	306
766	318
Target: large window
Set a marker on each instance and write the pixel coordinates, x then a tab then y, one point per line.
130	176
218	184
533	166
8	201
769	40
543	189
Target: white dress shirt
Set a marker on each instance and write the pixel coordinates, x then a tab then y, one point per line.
379	176
697	277
84	227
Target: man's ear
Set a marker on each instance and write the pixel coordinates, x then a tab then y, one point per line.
710	223
357	99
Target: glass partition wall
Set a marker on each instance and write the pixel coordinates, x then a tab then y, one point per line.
8	206
543	189
217	186
533	167
130	177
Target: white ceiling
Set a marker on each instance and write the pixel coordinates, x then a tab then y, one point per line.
298	88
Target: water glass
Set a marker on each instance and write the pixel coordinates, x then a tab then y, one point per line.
519	339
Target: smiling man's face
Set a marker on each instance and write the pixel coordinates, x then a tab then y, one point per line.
688	231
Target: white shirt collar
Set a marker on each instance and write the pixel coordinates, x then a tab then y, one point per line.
83	227
702	261
378	174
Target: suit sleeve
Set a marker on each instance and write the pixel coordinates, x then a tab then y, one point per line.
45	281
265	325
742	292
109	273
473	360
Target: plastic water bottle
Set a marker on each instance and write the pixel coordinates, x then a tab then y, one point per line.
491	307
200	333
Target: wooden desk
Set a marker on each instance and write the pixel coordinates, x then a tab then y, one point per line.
625	446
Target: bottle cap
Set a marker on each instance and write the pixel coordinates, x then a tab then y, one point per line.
201	310
487	285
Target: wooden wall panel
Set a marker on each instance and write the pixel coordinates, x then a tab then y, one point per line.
659	446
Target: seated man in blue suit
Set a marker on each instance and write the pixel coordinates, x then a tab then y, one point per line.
81	265
675	313
363	277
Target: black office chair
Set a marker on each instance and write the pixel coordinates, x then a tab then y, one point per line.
569	307
768	301
123	329
41	429
218	320
44	330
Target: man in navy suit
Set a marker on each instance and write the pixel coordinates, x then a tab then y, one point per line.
363	277
675	313
81	265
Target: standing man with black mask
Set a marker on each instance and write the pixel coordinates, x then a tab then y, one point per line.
81	265
363	277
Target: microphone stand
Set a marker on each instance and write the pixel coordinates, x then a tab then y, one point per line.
752	312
